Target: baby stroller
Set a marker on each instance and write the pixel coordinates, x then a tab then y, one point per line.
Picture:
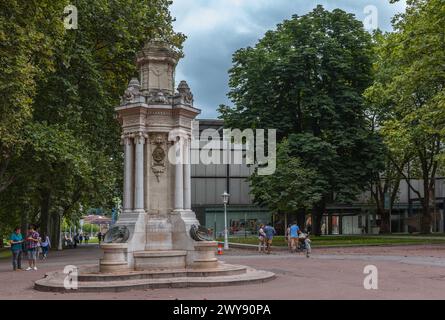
305	243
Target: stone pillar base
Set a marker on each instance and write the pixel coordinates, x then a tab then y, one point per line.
204	255
115	258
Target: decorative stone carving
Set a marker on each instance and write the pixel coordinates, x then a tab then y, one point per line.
132	94
158	156
118	234
159	98
199	233
185	93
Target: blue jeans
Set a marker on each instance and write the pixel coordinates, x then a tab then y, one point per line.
16	259
45	250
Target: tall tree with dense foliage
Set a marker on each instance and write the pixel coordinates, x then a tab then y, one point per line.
410	88
292	189
73	156
30	32
306	79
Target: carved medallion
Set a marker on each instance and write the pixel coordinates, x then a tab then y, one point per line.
158	155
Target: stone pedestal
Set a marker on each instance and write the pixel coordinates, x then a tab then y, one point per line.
115	258
204	257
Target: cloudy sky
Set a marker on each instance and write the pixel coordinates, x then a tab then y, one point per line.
217	28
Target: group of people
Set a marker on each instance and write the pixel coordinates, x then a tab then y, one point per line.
33	244
78	238
296	238
266	234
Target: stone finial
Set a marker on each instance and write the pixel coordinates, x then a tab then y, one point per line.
185	93
132	94
156	64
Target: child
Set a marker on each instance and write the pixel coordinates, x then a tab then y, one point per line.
262	239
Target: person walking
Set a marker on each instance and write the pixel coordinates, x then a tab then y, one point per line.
99	237
262	239
87	238
294	230
287	238
270	233
45	245
16	241
32	240
76	240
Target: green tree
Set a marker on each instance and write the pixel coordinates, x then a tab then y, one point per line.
292	189
410	87
30	32
73	157
306	79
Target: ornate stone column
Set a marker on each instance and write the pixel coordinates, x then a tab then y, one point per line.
147	164
128	179
187	175
139	172
179	176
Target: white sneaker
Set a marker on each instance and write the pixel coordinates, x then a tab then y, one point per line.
28	269
35	268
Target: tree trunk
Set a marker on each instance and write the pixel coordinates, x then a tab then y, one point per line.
55	230
45	195
317	214
426	219
385	226
24	220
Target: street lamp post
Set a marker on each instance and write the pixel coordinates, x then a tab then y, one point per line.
225	198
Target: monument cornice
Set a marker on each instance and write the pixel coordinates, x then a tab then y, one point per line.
186	110
147	58
131	106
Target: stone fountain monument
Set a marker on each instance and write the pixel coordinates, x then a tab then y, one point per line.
156	241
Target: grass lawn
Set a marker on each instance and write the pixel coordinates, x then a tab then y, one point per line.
5	253
92	241
349	240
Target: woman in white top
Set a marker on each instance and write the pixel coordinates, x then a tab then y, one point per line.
45	244
262	239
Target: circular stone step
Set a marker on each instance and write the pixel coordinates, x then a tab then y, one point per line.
54	281
152	260
91	273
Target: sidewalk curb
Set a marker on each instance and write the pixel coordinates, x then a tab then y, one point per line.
281	248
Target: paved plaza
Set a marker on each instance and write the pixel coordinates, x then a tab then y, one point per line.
405	272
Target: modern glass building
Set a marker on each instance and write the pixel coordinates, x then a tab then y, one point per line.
210	181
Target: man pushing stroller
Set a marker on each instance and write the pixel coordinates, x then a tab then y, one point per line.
304	242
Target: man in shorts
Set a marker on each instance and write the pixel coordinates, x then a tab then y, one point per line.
270	232
32	242
294	230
